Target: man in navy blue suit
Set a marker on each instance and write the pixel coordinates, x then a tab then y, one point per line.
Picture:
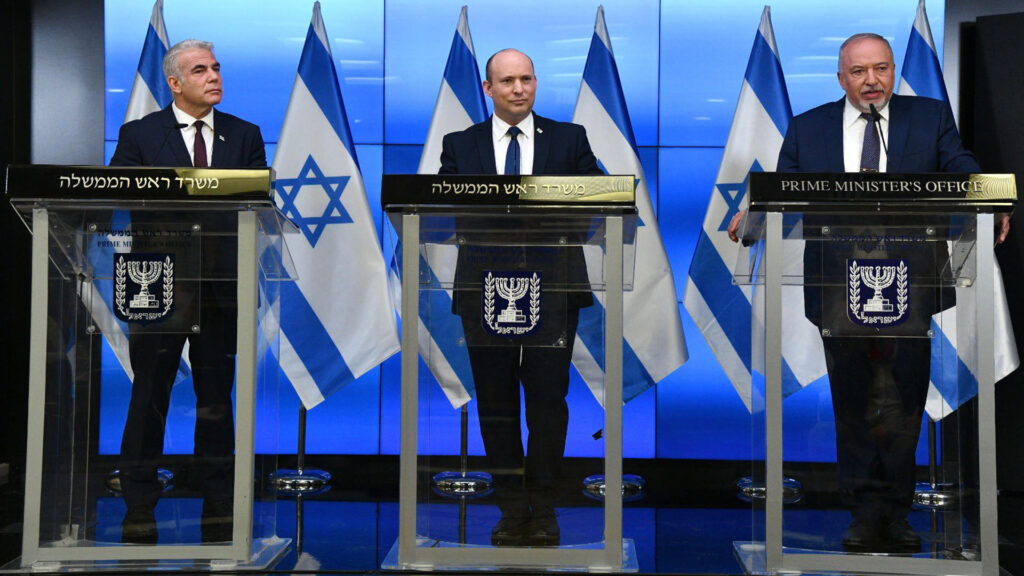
522	143
189	132
879	385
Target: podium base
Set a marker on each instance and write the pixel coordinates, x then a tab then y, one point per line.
629	558
266	553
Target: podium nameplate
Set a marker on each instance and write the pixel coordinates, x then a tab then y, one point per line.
845	191
138	183
491	190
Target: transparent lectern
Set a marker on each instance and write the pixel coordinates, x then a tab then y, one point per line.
129	266
500	264
875	303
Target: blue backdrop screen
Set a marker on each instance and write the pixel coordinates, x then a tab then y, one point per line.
681	65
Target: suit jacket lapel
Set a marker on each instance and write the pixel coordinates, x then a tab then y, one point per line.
834	138
899	131
541	143
175	141
485	147
218	144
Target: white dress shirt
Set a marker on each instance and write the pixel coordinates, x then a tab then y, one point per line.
500	138
853	136
188	133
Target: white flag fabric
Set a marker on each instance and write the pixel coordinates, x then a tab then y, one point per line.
337	320
653	341
150	91
922	76
149	94
723	311
460	104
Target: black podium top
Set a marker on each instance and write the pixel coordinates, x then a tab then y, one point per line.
99	183
425	190
872	191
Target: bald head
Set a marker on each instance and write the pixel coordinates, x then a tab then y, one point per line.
504	51
511	85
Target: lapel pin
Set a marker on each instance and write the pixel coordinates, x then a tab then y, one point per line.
221	136
540	131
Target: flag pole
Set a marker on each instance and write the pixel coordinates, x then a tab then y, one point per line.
301	481
934	494
463	484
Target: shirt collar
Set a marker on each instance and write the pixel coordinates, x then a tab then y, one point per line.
183	117
851	114
500	127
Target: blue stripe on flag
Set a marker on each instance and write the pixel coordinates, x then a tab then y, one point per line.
324	87
311	341
725	300
921	69
463	76
955	382
635	378
602	76
443	326
764	74
151	68
730	306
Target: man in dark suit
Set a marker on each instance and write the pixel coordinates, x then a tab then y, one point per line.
189	132
879	385
521	142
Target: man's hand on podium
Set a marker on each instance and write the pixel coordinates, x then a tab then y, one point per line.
1002	227
734	225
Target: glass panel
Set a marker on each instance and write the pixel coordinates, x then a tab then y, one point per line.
884	297
154	489
502	294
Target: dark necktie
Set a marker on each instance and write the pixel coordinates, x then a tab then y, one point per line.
199	147
870	153
512	154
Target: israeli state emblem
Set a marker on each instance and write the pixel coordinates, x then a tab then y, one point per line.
511	302
143	286
878	292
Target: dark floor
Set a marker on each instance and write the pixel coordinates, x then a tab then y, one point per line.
680	527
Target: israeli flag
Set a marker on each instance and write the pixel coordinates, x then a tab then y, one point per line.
653	344
149	94
922	76
337	320
460	104
723	311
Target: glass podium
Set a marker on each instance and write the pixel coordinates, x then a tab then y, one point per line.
874	302
131	267
505	269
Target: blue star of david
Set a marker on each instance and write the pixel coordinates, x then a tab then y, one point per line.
312	226
733	194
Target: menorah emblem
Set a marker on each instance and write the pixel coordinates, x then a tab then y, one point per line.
878	278
512	289
517	286
137	273
144	273
879	275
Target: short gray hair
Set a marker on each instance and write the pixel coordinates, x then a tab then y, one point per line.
864	36
171	64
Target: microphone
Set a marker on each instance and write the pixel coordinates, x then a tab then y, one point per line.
173	127
878	126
